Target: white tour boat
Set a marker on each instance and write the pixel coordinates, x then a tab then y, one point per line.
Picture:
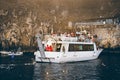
68	49
15	54
10	53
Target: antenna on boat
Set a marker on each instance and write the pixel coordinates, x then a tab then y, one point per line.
41	49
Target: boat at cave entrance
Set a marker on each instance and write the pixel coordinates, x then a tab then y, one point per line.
65	49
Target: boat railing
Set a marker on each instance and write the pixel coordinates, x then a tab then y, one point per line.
69	39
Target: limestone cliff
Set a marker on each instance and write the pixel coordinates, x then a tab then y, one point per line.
21	20
109	35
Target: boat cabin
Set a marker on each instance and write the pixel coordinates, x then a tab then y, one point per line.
69	46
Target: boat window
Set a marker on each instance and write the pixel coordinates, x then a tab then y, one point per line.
81	47
88	47
58	47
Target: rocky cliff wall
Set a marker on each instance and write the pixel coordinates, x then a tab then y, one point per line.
21	20
109	35
13	38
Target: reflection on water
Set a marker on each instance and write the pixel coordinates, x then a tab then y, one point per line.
68	71
17	68
16	71
110	67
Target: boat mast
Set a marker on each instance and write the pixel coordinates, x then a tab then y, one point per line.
41	49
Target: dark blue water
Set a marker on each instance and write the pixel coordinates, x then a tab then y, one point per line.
106	67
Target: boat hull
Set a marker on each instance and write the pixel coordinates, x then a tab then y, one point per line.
63	57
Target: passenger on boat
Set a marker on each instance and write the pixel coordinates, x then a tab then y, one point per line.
94	38
48	48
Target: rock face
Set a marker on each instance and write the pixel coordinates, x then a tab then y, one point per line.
109	35
20	22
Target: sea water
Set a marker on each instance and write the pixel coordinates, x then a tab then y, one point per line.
106	67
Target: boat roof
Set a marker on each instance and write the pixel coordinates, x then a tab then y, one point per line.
75	42
66	40
69	42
